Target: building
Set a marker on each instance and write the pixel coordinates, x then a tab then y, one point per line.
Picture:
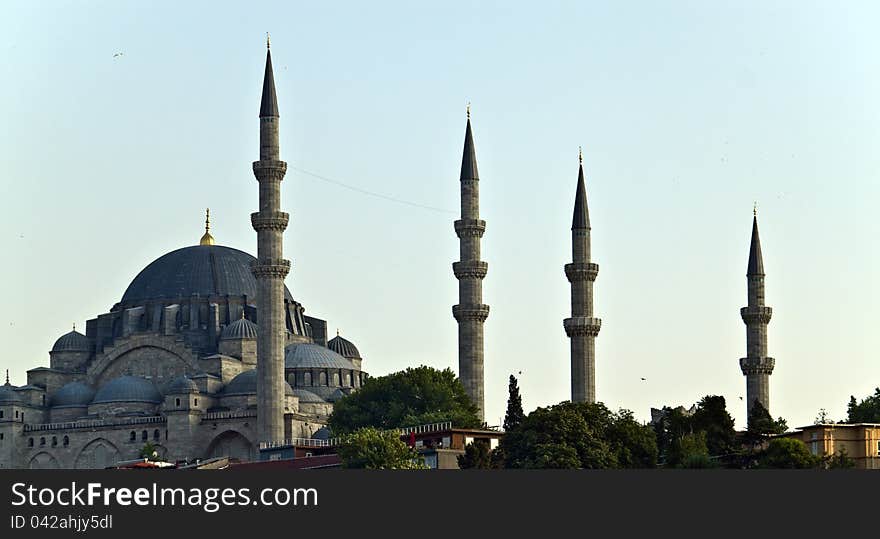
861	441
175	362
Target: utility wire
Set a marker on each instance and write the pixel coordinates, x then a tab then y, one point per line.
371	193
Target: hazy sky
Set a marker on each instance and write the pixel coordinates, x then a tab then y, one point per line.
687	113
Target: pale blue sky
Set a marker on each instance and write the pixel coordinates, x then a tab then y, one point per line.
687	113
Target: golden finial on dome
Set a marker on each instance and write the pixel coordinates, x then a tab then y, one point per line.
207	239
74	326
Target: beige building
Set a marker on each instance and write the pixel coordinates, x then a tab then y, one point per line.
860	440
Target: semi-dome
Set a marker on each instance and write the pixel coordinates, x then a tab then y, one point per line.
206	270
72	342
128	389
240	329
328	393
74	394
8	395
246	384
322	434
314	356
343	347
182	384
305	396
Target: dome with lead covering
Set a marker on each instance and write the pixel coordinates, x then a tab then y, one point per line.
203	270
343	347
182	384
246	384
240	329
322	434
329	394
306	397
74	394
128	389
72	342
8	394
314	356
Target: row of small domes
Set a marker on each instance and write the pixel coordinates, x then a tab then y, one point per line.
237	330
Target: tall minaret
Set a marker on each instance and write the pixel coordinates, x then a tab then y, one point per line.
582	328
756	366
470	312
270	269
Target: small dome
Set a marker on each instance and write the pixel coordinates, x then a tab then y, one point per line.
74	394
8	394
321	434
182	384
246	384
305	396
329	394
314	356
343	347
240	329
128	389
72	342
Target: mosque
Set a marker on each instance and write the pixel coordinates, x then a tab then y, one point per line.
208	354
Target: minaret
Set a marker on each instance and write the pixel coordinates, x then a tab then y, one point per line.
582	328
270	268
470	312
756	366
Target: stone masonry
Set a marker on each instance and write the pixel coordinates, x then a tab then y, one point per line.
756	366
582	328
470	312
270	269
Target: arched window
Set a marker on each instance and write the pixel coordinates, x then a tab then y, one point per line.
307	379
54	441
335	379
66	441
347	379
177	402
42	441
1	414
156	435
322	378
30	442
144	436
132	436
195	402
16	414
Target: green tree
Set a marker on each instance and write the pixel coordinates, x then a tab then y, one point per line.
412	397
694	451
477	455
711	417
839	461
786	453
149	452
579	435
514	415
762	425
375	449
865	411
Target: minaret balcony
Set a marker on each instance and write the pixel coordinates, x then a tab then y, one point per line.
470	228
757	365
582	326
581	271
470	269
270	267
270	221
270	169
478	312
754	314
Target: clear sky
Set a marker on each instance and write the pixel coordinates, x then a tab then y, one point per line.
687	111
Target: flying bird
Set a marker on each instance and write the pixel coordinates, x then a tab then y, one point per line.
643	379
117	55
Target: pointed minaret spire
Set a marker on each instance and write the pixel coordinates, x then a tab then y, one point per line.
582	328
7	376
756	366
470	313
270	268
269	102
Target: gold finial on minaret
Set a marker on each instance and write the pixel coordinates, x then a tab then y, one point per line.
267	40
207	239
468	110
755	208
580	155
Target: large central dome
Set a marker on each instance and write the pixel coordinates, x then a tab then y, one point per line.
206	270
